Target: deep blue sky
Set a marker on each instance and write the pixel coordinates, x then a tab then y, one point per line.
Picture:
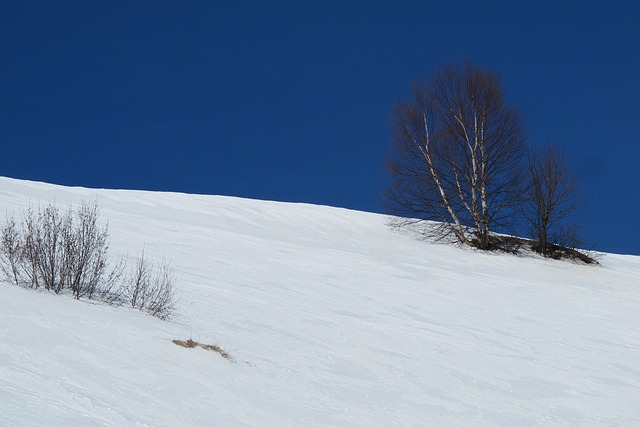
291	101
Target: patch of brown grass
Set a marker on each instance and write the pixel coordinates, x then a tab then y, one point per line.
212	347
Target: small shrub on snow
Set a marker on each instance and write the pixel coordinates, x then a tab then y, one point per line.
69	253
57	252
151	288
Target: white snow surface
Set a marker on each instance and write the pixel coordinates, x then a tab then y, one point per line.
332	319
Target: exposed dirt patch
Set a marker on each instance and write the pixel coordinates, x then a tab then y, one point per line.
212	347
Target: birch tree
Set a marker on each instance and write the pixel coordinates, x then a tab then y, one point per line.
457	157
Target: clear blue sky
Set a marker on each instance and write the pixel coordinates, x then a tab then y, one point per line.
291	100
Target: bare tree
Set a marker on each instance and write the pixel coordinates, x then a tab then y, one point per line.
457	157
553	196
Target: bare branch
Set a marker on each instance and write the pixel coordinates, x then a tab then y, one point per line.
457	156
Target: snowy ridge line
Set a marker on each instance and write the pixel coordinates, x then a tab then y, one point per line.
341	321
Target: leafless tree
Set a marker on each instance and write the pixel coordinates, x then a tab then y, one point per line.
457	157
553	196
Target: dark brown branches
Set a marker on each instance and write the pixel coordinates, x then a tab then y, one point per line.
553	196
457	156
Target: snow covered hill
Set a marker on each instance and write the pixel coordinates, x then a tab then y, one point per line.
331	319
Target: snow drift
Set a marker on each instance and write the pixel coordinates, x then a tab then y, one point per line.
330	318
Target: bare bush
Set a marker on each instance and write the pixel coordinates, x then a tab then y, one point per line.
57	251
11	261
111	290
86	253
69	253
150	288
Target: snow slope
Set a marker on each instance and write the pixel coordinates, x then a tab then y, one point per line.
332	319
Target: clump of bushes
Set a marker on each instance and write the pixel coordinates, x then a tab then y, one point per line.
69	253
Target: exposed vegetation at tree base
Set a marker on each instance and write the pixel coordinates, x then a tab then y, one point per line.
517	245
460	160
